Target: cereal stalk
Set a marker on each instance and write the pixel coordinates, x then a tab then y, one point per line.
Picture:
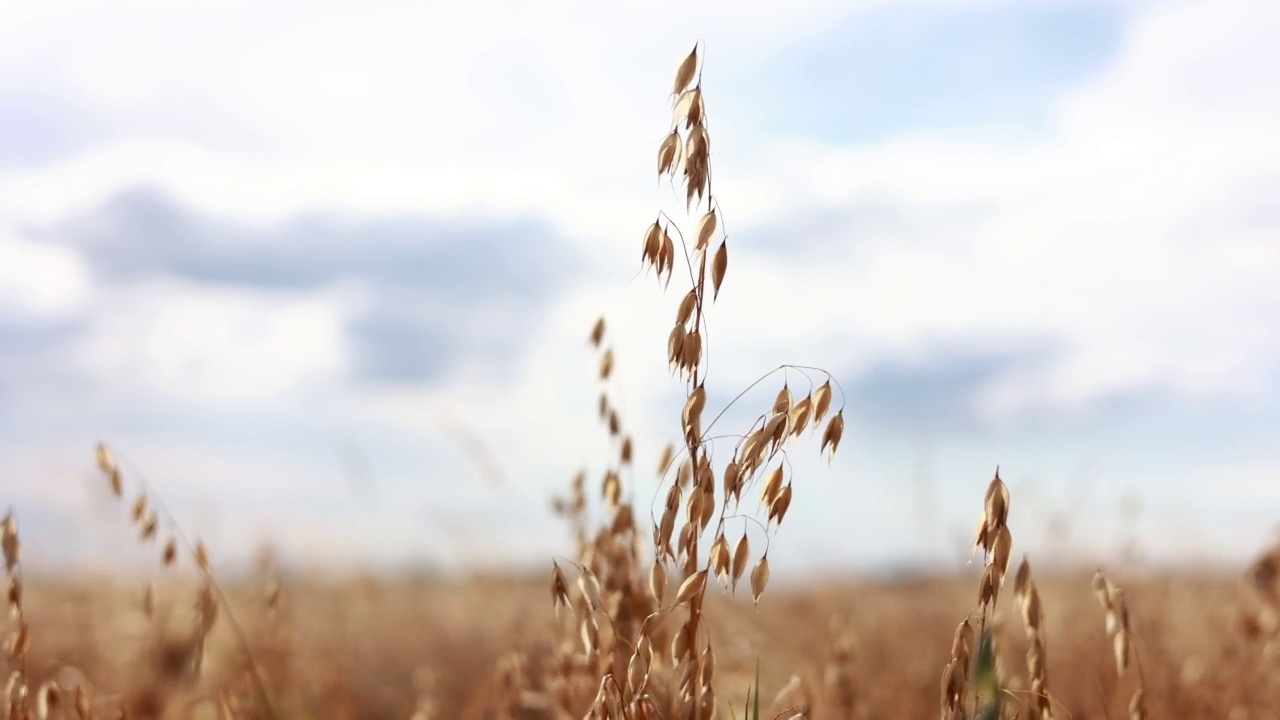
211	594
623	649
1113	602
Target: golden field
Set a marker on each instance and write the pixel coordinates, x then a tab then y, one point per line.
483	648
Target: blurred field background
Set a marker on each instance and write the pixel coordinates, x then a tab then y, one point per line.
322	276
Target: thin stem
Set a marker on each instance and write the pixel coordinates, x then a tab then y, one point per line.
255	672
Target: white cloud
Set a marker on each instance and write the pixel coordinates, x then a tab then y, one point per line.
40	281
1111	236
1133	238
217	346
376	107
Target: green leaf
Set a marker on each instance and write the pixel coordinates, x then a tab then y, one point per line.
986	681
756	714
990	712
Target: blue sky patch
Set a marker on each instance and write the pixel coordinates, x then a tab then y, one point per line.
903	68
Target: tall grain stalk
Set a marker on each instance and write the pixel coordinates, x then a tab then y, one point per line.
649	654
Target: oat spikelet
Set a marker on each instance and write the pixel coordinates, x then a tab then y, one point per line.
9	541
657	582
149	526
606	364
669	154
741	553
48	700
731	480
652	252
668	255
664	460
706	228
107	464
82	703
106	461
691	587
992	534
778	508
202	557
721	558
719	264
685	312
688	109
772	486
692	414
821	402
1112	599
597	332
14	595
1028	598
831	436
139	508
800	414
1102	590
759	578
559	589
637	672
782	402
1138	705
590	587
684	74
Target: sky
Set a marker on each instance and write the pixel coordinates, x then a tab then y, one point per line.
322	274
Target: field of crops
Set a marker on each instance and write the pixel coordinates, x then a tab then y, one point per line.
667	615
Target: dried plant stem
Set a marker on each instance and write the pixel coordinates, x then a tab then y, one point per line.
111	468
1116	606
682	684
19	639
